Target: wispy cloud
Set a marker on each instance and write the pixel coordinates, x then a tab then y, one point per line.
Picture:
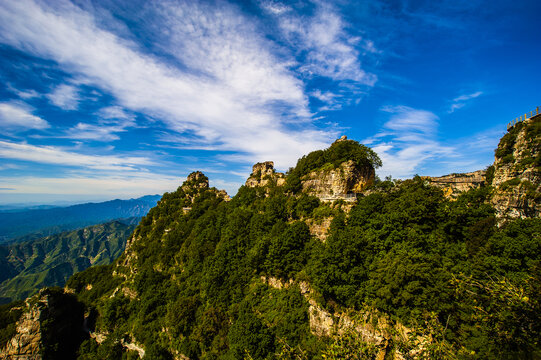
111	120
65	97
108	186
460	101
408	144
58	156
17	116
274	7
23	94
330	50
234	94
407	141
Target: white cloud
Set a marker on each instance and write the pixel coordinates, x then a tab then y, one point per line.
408	142
326	96
234	95
460	101
18	116
274	7
468	96
410	121
112	120
58	156
83	131
115	113
331	51
23	94
65	97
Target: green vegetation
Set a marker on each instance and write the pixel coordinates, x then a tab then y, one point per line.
532	136
489	175
50	261
504	151
61	325
331	158
238	279
509	184
9	314
408	253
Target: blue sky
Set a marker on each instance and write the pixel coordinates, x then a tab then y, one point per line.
117	99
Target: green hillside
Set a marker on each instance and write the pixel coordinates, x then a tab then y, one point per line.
245	279
50	261
404	272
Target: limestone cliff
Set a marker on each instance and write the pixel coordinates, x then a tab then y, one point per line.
49	328
342	182
517	174
263	174
26	343
455	184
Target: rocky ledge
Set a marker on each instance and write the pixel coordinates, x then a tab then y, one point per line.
455	184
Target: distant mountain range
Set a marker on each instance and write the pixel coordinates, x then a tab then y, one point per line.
28	266
27	224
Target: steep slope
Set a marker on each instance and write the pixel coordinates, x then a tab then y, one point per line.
517	171
44	222
404	272
50	261
51	327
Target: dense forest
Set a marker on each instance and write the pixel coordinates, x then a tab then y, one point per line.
26	267
206	278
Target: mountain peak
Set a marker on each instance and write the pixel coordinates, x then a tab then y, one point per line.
197	179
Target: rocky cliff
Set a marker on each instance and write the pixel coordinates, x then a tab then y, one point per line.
455	184
263	174
517	174
280	273
26	343
342	182
51	327
327	174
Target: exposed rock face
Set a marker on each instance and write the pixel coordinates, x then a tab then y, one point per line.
50	327
320	228
455	184
198	179
26	343
343	182
263	174
371	327
517	175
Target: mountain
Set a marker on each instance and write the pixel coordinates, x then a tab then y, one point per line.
324	262
28	266
36	223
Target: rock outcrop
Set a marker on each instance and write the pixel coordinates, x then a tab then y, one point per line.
197	182
342	182
51	326
517	174
263	174
369	325
26	343
455	184
320	228
198	179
